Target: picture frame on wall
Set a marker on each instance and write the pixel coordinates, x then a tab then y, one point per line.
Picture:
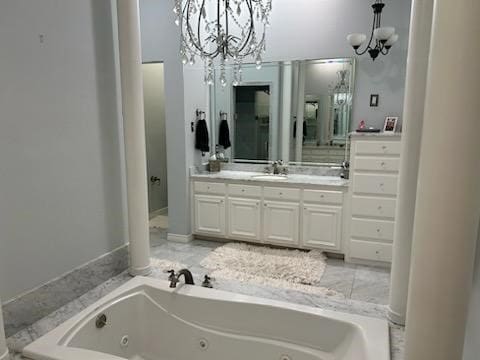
390	125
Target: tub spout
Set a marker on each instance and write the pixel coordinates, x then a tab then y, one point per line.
175	278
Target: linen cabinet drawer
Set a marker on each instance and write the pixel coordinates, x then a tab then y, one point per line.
371	206
323	196
370	251
209	187
377	164
244	190
378	147
374	229
281	193
375	184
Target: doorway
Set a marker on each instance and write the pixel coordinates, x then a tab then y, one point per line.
252	122
156	147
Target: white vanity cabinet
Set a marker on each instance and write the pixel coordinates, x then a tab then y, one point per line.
294	216
281	223
209	215
374	165
244	219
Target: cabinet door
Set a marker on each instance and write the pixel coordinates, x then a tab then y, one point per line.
244	219
210	215
322	226
281	223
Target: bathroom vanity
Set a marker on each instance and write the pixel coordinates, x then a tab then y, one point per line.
353	217
301	211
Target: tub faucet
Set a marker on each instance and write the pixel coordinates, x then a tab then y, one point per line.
175	278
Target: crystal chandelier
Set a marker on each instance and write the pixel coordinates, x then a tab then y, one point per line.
231	30
381	38
341	90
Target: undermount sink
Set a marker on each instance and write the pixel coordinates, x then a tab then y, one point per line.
269	177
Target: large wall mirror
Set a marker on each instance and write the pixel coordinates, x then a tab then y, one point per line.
262	111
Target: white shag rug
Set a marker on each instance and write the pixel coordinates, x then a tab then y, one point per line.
281	268
165	265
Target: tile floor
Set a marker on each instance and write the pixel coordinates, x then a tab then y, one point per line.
364	291
356	282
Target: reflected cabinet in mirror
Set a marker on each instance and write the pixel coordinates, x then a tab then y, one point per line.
257	120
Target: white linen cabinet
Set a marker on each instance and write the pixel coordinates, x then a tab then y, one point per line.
374	165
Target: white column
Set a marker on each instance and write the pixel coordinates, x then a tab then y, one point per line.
134	128
447	210
413	108
300	111
3	345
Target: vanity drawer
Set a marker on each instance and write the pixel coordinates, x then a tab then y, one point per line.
378	147
371	206
244	190
281	193
323	196
374	229
370	250
209	187
375	184
377	164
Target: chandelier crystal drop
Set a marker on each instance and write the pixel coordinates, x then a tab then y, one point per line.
381	38
230	30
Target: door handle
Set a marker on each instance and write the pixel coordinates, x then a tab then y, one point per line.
155	179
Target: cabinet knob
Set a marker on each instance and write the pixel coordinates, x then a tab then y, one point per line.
243	190
322	196
378	230
380	207
383	164
280	193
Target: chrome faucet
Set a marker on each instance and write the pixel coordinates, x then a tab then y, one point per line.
277	168
175	278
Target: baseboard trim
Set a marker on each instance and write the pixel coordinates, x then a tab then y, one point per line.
395	317
179	238
25	309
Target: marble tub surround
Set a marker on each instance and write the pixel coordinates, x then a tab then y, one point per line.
291	179
350	280
26	309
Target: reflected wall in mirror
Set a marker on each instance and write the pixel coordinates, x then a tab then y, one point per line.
262	111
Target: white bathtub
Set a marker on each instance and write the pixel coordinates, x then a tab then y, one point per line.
148	320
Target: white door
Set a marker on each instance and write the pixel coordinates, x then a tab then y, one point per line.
281	223
244	219
210	215
322	226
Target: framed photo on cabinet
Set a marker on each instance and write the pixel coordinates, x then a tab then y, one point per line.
390	125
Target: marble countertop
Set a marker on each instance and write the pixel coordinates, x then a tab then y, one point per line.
291	179
379	134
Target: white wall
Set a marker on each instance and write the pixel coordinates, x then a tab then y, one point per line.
314	29
154	101
61	179
160	42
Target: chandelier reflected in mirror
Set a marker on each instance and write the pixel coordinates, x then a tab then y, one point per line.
227	30
341	90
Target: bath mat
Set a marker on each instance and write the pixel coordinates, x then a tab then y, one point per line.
165	265
260	265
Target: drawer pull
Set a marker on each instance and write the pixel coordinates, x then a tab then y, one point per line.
383	164
243	190
380	207
378	230
322	196
280	193
384	147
